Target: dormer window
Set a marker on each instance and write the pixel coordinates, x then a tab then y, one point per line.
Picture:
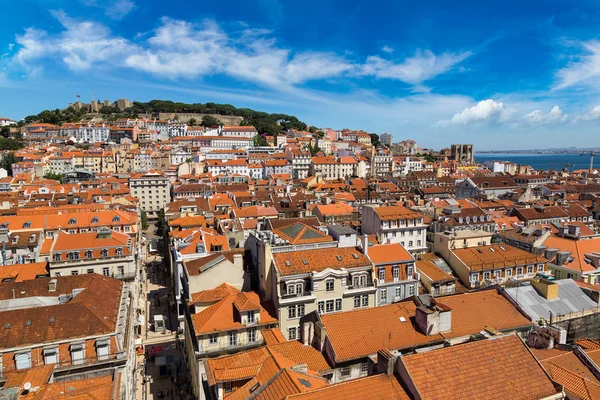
72	221
73	255
15	239
56	256
116	219
88	254
27	224
251	317
104	252
119	252
95	220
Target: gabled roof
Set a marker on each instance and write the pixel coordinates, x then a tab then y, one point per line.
511	371
298	233
374	387
223	314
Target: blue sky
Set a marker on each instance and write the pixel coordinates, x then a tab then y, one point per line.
501	75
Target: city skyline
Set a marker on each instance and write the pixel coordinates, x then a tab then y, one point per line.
480	74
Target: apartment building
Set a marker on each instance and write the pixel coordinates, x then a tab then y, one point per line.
326	167
84	325
104	252
152	188
301	163
395	274
325	280
396	224
223	321
494	264
240	131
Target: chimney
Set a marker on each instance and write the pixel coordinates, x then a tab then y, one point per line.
434	318
365	244
386	362
594	258
546	288
300	368
562	257
238	260
549	254
52	285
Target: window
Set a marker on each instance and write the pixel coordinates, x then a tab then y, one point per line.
23	360
291	312
77	354
338	304
51	355
396	273
398	291
252	335
104	252
365	300
56	257
540	267
383	295
212	339
345	372
508	273
106	271
530	269
497	274
411	290
251	317
356	301
409	270
102	349
364	368
119	252
329	285
382	274
90	271
486	275
72	221
321	307
410	243
27	224
74	255
474	277
291	289
300	310
292	333
227	387
418	243
519	270
232	338
329	306
74	273
355	281
557	274
569	275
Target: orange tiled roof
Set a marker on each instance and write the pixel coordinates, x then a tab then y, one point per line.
305	261
511	371
222	315
388	253
23	272
375	387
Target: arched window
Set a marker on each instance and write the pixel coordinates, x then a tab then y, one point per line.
104	253
116	219
27	224
88	254
72	221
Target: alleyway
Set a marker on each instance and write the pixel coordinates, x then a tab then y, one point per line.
161	365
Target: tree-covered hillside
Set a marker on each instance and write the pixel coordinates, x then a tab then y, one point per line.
271	124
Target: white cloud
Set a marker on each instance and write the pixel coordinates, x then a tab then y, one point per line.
115	9
415	70
387	49
488	111
181	49
553	117
584	69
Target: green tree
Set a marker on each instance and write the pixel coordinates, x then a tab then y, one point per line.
260	140
5	131
10	144
7	162
374	139
209	120
192	122
160	224
56	177
144	221
320	134
312	129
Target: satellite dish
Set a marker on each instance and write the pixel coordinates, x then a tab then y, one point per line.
27	385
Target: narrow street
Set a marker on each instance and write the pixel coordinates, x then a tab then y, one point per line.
160	359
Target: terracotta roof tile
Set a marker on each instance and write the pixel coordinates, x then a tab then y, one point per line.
457	371
305	261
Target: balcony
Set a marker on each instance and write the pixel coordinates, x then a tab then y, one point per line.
226	347
368	287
